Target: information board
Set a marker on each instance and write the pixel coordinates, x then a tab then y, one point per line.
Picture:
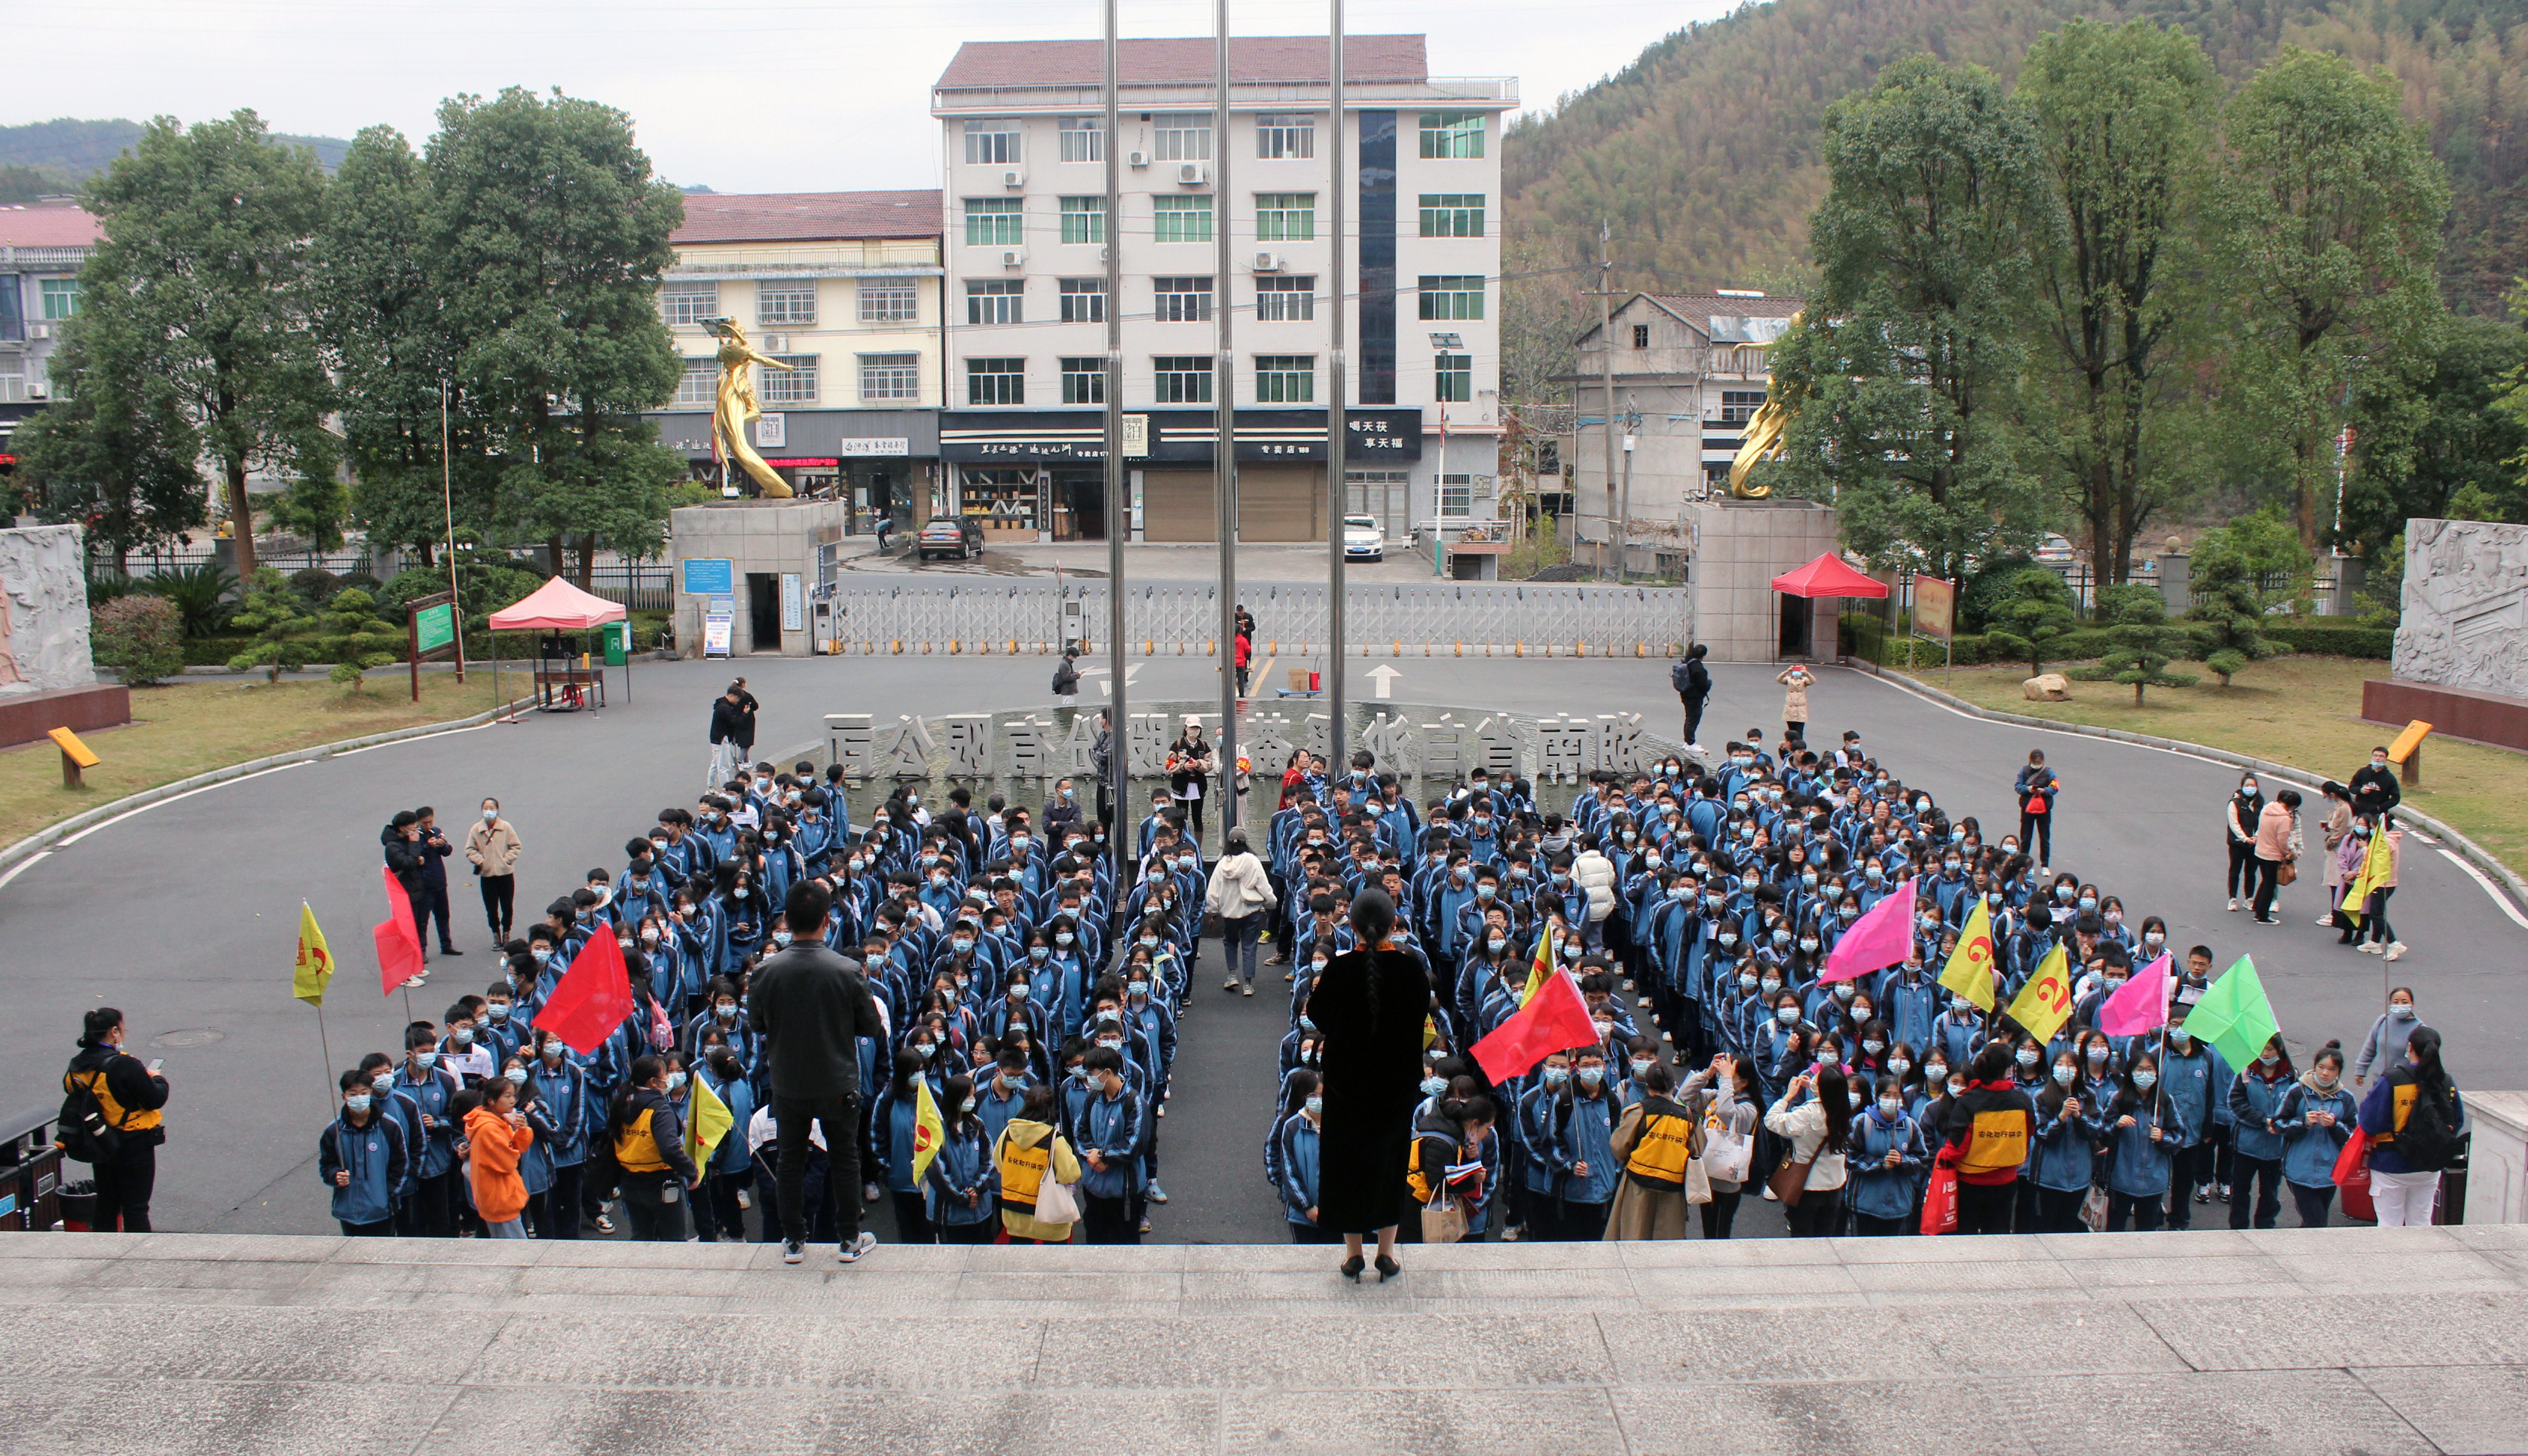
707	577
434	626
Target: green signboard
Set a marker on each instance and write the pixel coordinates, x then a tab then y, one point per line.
434	626
618	640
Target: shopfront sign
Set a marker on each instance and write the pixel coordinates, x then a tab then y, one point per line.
1172	437
895	445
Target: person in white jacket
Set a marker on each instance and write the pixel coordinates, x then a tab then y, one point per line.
1595	874
1241	895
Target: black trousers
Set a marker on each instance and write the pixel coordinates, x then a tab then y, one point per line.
1582	1222
1986	1208
2268	884
2243	859
2187	1168
1108	1221
382	1228
1721	1213
717	1217
841	1117
2036	835
983	1231
1820	1213
2143	1213
2313	1204
500	903
432	1212
912	1222
1310	1234
2266	1173
556	1210
655	1205
1693	725
123	1184
428	906
1870	1225
2060	1208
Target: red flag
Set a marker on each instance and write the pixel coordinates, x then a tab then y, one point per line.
398	939
1555	1018
591	998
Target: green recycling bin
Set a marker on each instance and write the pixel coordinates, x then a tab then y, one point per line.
618	643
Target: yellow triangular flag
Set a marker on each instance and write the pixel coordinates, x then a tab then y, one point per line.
1543	966
927	1133
2372	874
315	962
2045	1003
707	1121
1970	969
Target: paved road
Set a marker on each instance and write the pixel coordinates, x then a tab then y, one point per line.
184	913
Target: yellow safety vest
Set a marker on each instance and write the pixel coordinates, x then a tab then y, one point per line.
124	1120
1662	1151
1995	1140
1022	1171
635	1149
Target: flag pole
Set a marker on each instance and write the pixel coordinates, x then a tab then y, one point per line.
324	1043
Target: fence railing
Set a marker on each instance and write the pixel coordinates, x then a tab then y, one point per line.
635	587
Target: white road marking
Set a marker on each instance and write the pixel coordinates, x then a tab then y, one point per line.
21	867
2469	870
399	741
69	839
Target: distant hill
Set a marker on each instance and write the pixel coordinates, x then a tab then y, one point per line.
1703	152
57	156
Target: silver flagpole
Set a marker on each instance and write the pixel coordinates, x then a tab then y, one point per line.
1224	445
1338	387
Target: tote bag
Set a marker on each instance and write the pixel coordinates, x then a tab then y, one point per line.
1940	1200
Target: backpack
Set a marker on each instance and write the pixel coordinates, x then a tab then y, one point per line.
1681	680
1066	677
83	1130
2428	1143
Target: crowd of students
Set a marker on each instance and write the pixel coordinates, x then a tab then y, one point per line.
1034	1004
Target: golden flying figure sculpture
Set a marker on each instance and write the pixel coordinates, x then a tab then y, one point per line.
1762	442
736	408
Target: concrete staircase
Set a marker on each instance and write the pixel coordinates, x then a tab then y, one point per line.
2344	1339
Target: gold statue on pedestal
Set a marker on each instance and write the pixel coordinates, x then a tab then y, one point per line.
1762	441
735	407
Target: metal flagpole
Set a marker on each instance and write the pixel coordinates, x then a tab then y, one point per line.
447	504
325	1044
1119	516
1224	452
1338	390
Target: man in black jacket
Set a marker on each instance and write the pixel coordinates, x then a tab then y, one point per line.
131	1096
2373	787
1692	683
812	1007
401	841
732	733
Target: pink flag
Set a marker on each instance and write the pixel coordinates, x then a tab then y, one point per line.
1882	937
2139	1003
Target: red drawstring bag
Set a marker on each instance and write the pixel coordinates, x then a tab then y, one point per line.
2352	1176
1940	1199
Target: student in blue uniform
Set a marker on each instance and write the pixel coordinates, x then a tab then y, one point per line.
2316	1119
360	1159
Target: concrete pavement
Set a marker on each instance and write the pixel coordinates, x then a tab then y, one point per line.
2338	1340
186	914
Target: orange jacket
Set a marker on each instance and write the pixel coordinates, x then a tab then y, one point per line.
492	1159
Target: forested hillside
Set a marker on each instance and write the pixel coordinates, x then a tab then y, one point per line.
57	156
1703	155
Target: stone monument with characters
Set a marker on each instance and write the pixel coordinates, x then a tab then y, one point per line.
47	678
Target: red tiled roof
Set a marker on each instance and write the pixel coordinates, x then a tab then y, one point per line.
1254	58
48	225
799	217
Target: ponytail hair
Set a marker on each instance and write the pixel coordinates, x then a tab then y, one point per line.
2425	1047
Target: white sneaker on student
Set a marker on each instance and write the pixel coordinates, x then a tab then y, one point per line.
851	1253
2396	950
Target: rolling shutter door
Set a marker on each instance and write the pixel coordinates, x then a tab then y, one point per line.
1176	505
1279	502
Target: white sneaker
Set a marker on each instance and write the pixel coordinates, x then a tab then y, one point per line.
1770	1196
851	1252
2395	949
2327	921
1229	984
1157	1193
2371	948
2234	902
870	1192
793	1251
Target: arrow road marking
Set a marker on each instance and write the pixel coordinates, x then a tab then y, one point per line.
1385	677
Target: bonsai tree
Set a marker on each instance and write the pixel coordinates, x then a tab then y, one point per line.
2140	659
2035	609
140	635
356	638
285	630
2227	617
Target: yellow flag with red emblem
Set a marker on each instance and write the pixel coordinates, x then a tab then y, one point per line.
1970	969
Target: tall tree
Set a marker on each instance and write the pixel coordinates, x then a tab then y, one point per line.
2450	416
2123	115
200	278
1900	377
546	235
114	452
2329	220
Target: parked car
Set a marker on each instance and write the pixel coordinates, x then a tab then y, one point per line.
1363	541
2056	549
960	536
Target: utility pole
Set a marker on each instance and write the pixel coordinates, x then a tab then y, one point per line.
1606	360
1338	425
1119	513
1623	555
1224	450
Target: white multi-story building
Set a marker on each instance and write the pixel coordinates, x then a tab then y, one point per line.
1026	233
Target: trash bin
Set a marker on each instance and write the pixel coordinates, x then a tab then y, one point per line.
30	1172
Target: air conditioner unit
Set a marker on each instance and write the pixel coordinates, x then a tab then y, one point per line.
1268	263
38	389
1013	177
1013	257
1138	159
39	330
1191	174
775	343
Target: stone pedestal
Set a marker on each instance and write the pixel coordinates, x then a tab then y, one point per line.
1738	547
764	542
47	679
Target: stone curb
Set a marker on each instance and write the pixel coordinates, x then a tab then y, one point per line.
2476	854
43	839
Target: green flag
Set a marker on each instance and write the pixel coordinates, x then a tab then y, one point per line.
2234	1014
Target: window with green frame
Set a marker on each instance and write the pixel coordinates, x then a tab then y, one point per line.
1450	295
1083	220
1452	378
1452	135
995	222
1180	218
62	297
1285	379
1181	378
1286	217
1453	214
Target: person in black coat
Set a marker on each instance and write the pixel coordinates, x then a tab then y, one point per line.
1369	1006
1692	683
2374	786
732	732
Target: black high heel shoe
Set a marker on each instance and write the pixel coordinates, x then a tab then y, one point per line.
1351	1268
1389	1269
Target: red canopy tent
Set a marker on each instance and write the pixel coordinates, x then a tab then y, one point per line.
1826	576
559	606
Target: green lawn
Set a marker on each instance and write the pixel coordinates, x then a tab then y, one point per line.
188	728
2303	711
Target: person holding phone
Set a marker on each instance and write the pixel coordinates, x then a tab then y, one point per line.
133	1098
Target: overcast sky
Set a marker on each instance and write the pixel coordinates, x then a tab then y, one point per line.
751	96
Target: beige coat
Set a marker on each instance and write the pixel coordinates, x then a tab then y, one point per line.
2338	823
1640	1212
1239	887
491	847
1795	682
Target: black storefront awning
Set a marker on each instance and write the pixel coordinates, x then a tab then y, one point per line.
1173	437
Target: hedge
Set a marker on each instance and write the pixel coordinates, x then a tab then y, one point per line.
2329	640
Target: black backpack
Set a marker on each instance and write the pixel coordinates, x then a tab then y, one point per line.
83	1130
2429	1140
1680	679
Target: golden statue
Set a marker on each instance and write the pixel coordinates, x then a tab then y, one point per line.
736	408
1762	441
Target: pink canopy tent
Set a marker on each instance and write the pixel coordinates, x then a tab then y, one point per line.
559	606
1824	577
